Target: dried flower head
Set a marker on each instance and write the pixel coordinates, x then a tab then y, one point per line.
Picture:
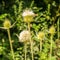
52	30
41	35
24	36
7	24
28	15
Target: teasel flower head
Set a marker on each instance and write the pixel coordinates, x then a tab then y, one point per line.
52	30
28	16
24	36
7	24
41	35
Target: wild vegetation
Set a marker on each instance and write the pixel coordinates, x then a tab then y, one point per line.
30	30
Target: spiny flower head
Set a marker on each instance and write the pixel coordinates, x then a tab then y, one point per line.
24	36
28	15
52	30
41	35
7	24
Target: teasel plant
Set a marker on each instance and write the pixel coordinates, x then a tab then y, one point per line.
40	36
28	16
7	25
52	32
24	37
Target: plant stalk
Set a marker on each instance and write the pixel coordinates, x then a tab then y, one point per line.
31	47
58	28
40	46
25	50
8	31
51	47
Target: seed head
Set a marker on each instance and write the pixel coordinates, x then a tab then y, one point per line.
24	36
41	35
52	30
28	16
7	24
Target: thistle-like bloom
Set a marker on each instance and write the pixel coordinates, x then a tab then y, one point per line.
52	30
41	35
28	15
24	36
7	24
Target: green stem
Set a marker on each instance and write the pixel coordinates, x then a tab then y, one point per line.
40	46
31	47
58	28
51	47
32	50
25	50
29	26
48	8
10	43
